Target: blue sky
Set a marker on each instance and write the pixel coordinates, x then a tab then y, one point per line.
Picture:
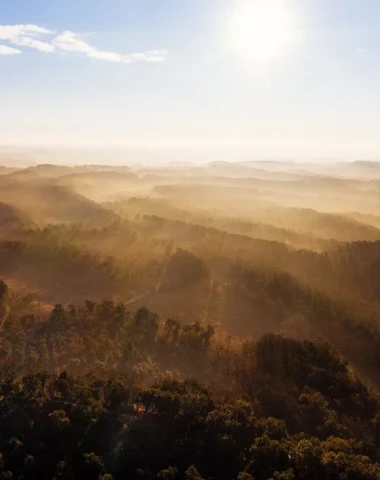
187	84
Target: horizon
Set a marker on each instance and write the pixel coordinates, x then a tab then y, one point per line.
162	156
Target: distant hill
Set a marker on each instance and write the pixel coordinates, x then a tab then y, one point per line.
54	204
51	170
7	170
98	185
325	225
135	207
47	170
303	207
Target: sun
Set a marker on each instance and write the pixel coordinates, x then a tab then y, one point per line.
261	30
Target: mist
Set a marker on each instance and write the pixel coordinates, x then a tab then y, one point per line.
204	281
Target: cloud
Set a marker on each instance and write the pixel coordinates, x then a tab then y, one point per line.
30	42
30	36
361	50
73	42
26	36
5	50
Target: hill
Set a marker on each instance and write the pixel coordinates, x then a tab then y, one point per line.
191	322
98	185
49	203
12	218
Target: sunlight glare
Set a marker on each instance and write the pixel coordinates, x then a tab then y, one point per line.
261	30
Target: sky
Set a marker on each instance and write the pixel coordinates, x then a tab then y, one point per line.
288	78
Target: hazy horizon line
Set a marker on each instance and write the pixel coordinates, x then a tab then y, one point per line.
189	154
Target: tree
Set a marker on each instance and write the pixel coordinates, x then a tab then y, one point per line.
192	473
3	292
184	269
168	473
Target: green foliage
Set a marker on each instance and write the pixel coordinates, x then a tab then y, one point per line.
168	473
192	473
291	410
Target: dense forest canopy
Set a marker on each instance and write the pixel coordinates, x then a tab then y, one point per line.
215	321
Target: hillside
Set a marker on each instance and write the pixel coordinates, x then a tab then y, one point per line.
12	218
98	185
49	203
186	310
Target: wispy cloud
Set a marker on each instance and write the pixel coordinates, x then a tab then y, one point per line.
73	42
5	50
361	50
30	36
26	36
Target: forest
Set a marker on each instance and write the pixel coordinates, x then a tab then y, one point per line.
192	322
